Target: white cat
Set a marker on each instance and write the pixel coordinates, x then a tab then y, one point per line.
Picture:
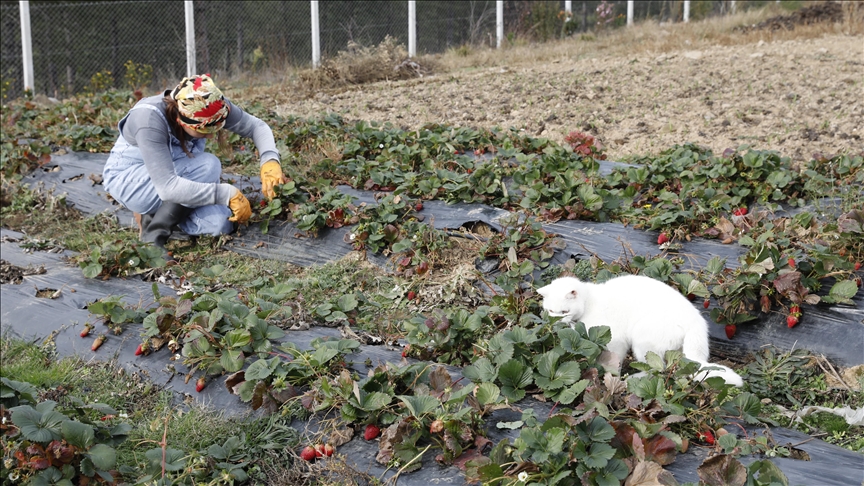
643	314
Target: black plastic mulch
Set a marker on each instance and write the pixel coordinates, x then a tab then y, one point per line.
835	331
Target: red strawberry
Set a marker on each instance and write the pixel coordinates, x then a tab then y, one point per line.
791	321
730	330
329	450
706	304
795	310
706	437
308	454
107	417
371	432
200	384
418	206
791	262
411	295
86	331
740	212
319	450
97	342
663	238
422	268
406	350
691	297
139	350
857	266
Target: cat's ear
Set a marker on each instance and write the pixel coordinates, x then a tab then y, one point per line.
544	291
571	295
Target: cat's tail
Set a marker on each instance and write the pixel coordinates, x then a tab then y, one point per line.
695	348
728	374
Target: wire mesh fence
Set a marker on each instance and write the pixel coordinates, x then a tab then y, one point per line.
88	46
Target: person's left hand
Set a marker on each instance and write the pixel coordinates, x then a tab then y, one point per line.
271	175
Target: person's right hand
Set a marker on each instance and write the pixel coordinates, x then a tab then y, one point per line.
239	205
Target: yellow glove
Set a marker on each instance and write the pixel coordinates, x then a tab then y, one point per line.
239	205
271	175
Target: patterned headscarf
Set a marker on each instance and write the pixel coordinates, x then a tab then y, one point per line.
201	104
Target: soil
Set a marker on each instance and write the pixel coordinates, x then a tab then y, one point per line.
799	97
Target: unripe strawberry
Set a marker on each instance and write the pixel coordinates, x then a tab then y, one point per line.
200	384
308	454
706	304
791	321
371	432
97	342
663	238
730	330
329	450
437	426
791	262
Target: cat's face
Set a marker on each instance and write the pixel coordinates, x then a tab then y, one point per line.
560	299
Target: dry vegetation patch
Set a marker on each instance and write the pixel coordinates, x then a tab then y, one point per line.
639	90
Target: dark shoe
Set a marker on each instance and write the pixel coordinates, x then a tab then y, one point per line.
157	227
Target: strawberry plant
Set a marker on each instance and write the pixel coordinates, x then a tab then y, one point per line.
585	145
330	208
119	258
50	446
114	313
448	337
270	381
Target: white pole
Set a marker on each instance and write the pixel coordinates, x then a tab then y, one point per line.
26	46
412	28
316	36
629	12
499	22
191	70
568	6
686	10
732	6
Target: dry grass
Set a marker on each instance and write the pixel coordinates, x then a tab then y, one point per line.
653	37
331	471
365	64
389	60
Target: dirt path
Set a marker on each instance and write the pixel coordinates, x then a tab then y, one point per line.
799	97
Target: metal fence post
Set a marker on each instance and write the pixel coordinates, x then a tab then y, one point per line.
26	46
568	7
412	28
686	10
190	39
316	35
629	12
499	23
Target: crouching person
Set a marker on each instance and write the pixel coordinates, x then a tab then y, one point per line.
159	170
